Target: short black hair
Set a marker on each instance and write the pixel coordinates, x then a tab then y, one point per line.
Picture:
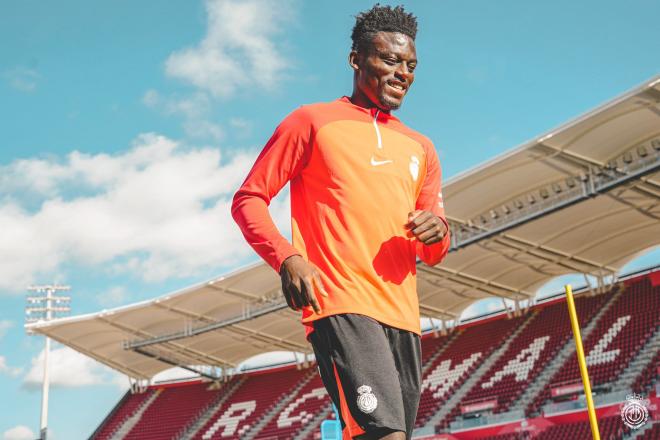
382	19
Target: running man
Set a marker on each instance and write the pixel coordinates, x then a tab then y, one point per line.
365	203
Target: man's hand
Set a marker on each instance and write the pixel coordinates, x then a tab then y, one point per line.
426	227
300	279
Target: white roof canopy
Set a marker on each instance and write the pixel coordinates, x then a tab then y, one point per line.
583	198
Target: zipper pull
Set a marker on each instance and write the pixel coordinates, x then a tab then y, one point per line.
380	140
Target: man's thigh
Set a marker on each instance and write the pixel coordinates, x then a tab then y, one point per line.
361	373
407	352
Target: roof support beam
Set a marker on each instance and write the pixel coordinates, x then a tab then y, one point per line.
194	355
265	337
439	281
175	363
642	196
622	231
247	315
182	312
434	311
232	291
647	211
107	361
567	155
487	286
551	255
246	295
514	255
595	184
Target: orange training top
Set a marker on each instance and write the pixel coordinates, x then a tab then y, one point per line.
355	175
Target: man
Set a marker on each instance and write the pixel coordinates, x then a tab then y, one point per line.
365	202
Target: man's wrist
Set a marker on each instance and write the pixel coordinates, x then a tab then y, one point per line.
287	259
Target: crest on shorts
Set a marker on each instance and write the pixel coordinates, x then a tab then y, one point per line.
366	400
635	411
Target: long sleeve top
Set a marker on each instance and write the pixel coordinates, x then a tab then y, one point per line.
355	174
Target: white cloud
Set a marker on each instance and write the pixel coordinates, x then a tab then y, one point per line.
19	432
113	297
192	106
5	325
69	369
241	127
151	98
238	49
22	78
239	123
203	129
156	211
195	110
6	369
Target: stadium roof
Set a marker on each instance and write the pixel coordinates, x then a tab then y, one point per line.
582	198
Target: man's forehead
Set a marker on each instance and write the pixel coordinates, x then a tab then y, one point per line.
392	41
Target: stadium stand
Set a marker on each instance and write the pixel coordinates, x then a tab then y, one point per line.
619	336
649	375
459	360
651	434
609	427
124	409
513	436
300	410
532	349
166	415
279	404
314	431
252	401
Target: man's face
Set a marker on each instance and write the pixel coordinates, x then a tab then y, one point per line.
386	71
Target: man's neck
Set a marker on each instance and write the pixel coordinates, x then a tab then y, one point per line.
360	99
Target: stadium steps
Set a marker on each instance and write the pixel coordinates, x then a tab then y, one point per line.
98	433
274	410
134	418
314	425
224	393
645	356
543	378
639	434
462	391
454	333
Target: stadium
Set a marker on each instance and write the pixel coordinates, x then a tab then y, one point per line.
580	199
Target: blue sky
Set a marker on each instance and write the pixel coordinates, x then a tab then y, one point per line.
127	126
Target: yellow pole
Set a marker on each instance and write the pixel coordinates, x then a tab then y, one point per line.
582	362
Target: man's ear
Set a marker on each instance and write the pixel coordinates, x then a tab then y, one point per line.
353	60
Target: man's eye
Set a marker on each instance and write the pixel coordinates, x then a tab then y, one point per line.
390	61
412	67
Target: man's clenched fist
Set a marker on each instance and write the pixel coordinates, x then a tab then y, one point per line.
426	226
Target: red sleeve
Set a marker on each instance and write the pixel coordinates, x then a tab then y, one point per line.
430	199
281	160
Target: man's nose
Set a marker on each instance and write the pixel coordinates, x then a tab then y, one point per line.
402	72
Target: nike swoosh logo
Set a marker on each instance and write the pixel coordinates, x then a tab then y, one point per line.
375	162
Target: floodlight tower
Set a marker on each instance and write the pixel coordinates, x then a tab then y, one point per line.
42	306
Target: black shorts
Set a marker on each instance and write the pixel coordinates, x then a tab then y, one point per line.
371	371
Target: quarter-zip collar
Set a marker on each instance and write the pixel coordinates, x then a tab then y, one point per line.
375	113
